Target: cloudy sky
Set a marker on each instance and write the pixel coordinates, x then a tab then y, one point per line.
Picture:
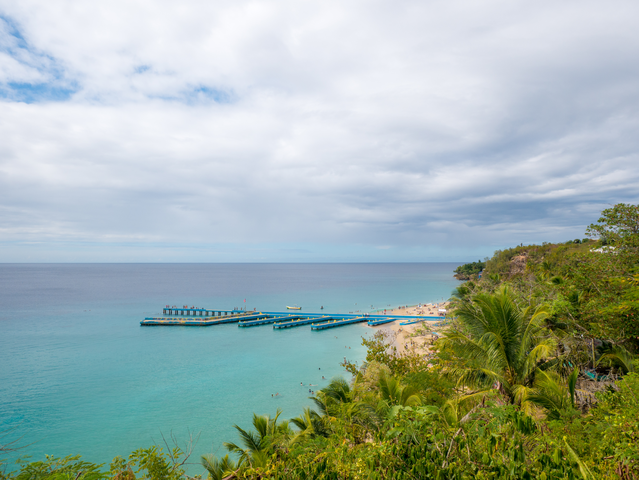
311	131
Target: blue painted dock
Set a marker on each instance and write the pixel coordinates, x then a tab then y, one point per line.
195	322
301	321
423	319
381	321
338	323
206	316
266	320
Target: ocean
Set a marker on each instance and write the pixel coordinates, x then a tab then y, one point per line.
79	375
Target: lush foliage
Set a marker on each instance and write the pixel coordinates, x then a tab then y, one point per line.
499	344
472	268
534	379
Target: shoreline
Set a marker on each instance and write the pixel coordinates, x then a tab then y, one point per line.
408	337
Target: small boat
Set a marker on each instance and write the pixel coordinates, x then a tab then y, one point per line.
295	307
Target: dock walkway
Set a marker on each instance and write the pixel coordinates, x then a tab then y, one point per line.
203	317
337	323
195	322
381	321
265	320
198	312
423	319
301	321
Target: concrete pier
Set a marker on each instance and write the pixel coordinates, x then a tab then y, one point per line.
185	316
338	323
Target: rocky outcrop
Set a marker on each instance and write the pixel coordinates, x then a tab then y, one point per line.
518	264
462	276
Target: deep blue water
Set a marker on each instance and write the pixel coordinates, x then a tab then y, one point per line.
78	375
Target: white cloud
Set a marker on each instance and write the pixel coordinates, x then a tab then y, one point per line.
433	125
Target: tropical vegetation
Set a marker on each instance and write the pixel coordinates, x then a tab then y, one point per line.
533	378
469	270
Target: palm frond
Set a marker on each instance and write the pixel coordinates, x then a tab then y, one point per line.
251	440
572	384
544	349
320	402
583	469
620	357
218	468
549	393
338	389
212	465
497	340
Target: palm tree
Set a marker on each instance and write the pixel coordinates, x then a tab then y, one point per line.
394	396
550	392
218	468
546	269
338	390
498	343
311	425
618	356
463	291
394	393
338	401
259	444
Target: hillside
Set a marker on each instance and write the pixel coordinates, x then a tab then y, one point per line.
531	376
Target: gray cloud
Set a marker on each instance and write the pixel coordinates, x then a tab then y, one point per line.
280	130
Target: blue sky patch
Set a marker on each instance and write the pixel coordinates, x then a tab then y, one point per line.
50	86
203	93
13	31
32	93
142	69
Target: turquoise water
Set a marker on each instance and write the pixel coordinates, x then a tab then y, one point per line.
78	375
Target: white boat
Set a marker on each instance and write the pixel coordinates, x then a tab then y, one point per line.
295	307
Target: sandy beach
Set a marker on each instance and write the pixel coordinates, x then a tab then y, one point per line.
419	336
